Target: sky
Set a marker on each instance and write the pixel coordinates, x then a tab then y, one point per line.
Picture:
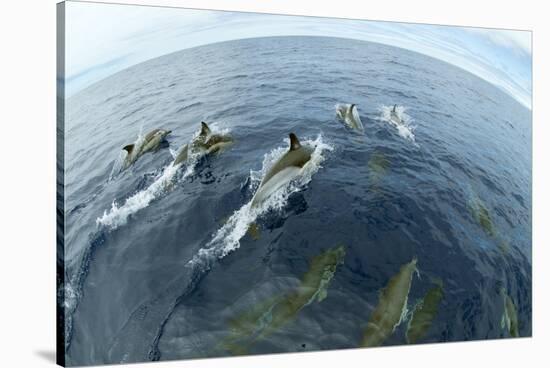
103	39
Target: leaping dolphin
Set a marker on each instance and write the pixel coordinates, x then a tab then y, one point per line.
349	115
288	167
204	144
151	142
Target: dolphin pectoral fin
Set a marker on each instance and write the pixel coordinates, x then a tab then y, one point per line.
294	142
129	148
205	129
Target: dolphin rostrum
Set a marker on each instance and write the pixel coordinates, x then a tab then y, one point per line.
206	143
151	142
349	115
288	167
391	308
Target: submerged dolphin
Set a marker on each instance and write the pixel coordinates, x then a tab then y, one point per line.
150	142
510	316
391	307
349	115
424	313
270	315
204	144
288	167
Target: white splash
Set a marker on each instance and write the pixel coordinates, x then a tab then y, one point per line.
70	297
118	215
227	238
403	123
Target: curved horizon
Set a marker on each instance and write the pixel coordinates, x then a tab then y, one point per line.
131	35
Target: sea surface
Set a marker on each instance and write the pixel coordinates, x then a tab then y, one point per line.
162	261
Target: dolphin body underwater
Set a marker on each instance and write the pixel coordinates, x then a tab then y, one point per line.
349	115
424	313
391	307
288	167
151	142
270	315
509	320
204	144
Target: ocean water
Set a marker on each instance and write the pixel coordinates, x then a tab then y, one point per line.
160	261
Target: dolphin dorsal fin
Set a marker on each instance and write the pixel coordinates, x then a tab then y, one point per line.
129	148
205	130
394	107
294	142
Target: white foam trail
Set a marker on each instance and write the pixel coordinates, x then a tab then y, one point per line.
227	238
404	127
118	215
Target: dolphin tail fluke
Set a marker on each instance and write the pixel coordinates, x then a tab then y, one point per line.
294	142
205	130
129	148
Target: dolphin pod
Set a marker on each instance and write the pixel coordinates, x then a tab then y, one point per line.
151	142
275	312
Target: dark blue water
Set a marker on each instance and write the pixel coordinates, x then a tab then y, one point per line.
388	195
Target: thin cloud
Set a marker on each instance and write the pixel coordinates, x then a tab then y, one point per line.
518	41
117	37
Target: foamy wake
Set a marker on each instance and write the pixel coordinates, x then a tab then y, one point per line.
227	238
118	215
404	128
